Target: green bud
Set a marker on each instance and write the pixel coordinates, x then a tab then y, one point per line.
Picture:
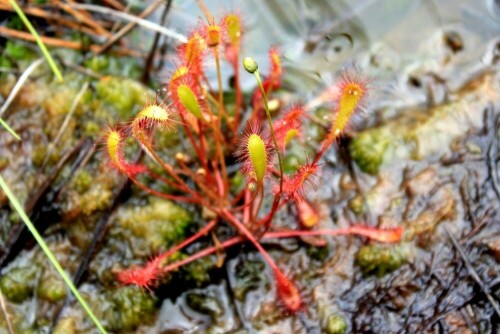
250	65
189	101
258	157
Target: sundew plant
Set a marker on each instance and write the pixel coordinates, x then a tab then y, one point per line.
242	133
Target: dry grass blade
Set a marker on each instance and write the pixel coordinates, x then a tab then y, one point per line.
6	314
83	18
127	28
65	122
9	33
143	23
52	18
19	84
472	272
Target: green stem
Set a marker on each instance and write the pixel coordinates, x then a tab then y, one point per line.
219	79
8	128
17	206
270	122
38	40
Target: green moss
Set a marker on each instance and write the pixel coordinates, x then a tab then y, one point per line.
335	325
38	155
52	288
18	51
6	63
97	198
97	64
92	129
123	94
198	271
369	148
18	284
381	259
161	223
82	181
126	67
124	309
356	204
4	162
65	326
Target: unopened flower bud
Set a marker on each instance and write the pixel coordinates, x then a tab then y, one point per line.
250	65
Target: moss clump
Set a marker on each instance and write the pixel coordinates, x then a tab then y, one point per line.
369	148
123	94
161	223
357	204
95	199
19	51
335	324
4	162
66	326
124	309
198	271
18	284
52	288
121	66
381	259
82	181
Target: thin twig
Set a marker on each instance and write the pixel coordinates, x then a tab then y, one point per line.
151	56
127	28
82	18
115	3
65	122
19	84
7	32
472	271
52	17
127	17
6	314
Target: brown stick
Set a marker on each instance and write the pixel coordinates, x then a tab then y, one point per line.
127	28
38	12
7	32
115	4
84	18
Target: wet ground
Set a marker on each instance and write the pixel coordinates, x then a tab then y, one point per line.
424	158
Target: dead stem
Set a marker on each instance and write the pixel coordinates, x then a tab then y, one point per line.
6	314
128	27
472	271
12	33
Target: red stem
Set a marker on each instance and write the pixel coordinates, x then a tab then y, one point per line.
195	200
382	235
242	228
188	241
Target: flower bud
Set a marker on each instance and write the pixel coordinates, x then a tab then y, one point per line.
250	65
